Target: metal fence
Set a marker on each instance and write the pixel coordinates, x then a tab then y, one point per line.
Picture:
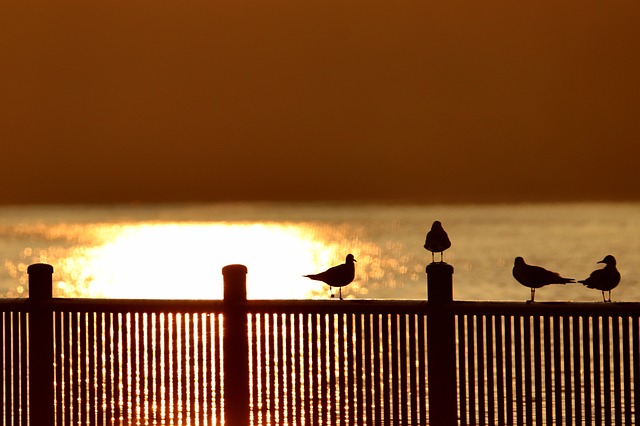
330	362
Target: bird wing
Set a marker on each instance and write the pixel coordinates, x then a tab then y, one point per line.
594	278
336	276
437	241
537	276
602	279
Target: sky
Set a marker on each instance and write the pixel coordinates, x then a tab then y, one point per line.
397	101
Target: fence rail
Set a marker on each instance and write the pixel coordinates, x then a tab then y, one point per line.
351	362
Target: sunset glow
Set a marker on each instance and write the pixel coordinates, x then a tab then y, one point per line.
184	260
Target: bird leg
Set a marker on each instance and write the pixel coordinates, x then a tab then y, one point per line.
533	295
433	257
603	298
340	291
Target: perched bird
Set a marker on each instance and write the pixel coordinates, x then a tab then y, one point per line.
437	240
605	279
536	276
337	276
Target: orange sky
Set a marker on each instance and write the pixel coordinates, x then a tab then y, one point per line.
416	100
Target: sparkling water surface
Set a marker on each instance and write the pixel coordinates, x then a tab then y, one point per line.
177	251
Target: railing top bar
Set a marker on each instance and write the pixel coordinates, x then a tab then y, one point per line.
133	305
546	308
217	305
330	306
338	306
14	305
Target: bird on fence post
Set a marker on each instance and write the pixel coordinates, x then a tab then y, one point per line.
337	276
437	240
535	276
605	279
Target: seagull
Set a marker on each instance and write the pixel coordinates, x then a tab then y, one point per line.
605	279
437	240
536	276
337	276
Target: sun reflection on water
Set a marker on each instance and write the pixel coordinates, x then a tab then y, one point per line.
184	260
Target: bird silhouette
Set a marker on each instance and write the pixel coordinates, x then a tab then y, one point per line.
605	279
337	276
535	276
437	240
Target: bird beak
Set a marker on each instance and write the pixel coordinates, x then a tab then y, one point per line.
602	261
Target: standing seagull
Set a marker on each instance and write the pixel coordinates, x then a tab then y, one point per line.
536	276
605	279
437	240
337	276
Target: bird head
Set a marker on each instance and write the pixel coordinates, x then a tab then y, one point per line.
608	260
350	258
519	261
436	225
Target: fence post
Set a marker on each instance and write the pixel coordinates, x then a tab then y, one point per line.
441	349
41	374
235	346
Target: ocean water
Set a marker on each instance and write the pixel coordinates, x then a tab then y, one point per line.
177	251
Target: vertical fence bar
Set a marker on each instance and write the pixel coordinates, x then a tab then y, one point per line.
508	367
528	386
7	379
413	369
635	330
324	382
566	353
586	365
3	398
341	367
462	371
358	368
482	372
386	374
350	361
557	370
377	370
315	361
606	368
395	397
15	367
517	349
74	352
301	378
617	378
236	346
471	365
490	371
91	379
597	389
331	337
404	402
577	372
41	377
548	382
500	398
24	360
626	357
441	335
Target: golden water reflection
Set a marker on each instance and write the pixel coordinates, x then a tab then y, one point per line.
184	260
